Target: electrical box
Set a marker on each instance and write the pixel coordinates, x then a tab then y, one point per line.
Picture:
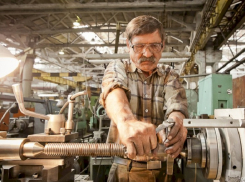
215	92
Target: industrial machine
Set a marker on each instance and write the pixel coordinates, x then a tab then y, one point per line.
214	148
215	92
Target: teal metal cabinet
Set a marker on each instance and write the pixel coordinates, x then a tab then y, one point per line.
215	92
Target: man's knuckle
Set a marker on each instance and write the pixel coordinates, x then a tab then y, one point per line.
180	137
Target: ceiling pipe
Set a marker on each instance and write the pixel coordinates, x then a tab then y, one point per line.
162	60
120	56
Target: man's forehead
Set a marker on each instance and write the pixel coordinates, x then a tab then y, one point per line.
151	37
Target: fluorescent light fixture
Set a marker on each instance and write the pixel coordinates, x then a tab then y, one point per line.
214	35
76	24
8	62
236	3
61	52
176	38
48	95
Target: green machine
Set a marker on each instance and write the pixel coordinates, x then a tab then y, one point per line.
215	92
85	119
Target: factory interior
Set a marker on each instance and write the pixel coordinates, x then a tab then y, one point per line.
53	54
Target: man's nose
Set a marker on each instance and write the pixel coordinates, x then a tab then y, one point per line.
147	52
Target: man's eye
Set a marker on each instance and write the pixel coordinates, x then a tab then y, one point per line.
139	46
154	46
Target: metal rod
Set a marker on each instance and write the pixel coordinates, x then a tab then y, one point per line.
19	97
12	98
224	65
191	76
84	149
214	123
238	63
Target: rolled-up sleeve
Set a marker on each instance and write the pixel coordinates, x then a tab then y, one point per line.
114	77
175	96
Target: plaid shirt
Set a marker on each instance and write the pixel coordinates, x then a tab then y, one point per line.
151	98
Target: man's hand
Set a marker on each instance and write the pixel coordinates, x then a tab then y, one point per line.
177	135
139	137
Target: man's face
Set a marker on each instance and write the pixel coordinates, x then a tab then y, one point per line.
146	53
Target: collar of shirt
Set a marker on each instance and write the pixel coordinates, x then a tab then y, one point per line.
132	68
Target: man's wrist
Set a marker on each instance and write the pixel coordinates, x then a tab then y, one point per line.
178	114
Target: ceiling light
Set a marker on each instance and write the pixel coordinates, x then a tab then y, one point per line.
8	62
61	52
48	95
236	3
77	23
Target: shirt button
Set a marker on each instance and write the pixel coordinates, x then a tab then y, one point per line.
146	110
145	82
146	95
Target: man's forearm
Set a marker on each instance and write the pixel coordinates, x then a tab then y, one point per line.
139	137
117	106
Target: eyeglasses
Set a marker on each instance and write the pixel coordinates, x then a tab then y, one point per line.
139	48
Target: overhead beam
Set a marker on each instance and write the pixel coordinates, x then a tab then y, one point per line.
57	80
220	10
10	44
235	43
162	60
102	5
76	76
94	45
236	21
13	9
120	56
85	11
189	26
6	31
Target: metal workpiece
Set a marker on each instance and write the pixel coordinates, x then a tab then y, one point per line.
69	123
43	137
71	100
32	149
17	89
84	149
12	149
78	94
200	136
194	147
55	123
214	123
212	154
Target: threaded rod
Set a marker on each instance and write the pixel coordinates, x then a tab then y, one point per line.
84	149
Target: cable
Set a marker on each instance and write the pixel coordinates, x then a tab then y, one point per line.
13	105
99	168
82	171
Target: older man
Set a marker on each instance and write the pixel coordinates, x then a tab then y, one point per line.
137	97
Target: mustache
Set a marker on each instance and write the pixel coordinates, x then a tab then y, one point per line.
144	59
